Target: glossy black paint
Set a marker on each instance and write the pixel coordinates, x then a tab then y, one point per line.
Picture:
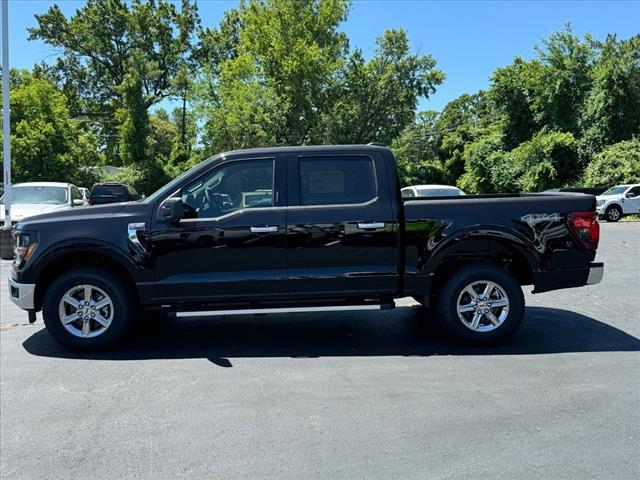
318	253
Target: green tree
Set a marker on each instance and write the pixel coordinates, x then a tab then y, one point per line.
548	160
99	43
612	107
565	79
616	164
462	121
382	94
416	152
46	143
287	54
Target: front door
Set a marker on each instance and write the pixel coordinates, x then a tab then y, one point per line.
232	246
341	231
632	201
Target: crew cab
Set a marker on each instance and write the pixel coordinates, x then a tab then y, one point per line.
299	229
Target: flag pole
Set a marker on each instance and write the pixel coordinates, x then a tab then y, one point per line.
6	127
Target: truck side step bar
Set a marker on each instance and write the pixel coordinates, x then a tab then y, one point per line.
250	311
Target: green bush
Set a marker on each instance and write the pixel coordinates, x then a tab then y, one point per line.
616	164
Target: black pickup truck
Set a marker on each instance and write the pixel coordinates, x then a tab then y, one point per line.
295	230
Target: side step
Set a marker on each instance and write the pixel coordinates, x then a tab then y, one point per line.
250	311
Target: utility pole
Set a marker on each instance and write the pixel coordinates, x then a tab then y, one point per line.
6	126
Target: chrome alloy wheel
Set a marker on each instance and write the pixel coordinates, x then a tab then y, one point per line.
482	306
85	311
613	214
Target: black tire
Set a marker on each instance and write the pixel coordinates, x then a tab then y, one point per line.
123	308
447	302
613	213
6	245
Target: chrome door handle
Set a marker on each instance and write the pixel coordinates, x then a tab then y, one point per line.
368	226
265	229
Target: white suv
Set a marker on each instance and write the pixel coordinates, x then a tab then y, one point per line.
619	201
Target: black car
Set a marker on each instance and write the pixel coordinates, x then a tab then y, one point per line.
102	193
295	230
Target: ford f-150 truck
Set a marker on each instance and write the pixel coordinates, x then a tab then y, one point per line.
299	229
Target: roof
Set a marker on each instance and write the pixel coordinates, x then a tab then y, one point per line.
309	149
433	186
42	184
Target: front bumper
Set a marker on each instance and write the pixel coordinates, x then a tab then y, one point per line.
22	294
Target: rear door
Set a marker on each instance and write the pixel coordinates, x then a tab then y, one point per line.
341	231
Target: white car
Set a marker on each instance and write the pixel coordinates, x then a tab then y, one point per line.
34	198
85	194
431	191
619	201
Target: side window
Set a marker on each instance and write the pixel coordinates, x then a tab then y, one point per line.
76	194
408	193
336	180
229	187
635	192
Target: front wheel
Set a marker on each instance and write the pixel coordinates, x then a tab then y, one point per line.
480	303
613	213
87	308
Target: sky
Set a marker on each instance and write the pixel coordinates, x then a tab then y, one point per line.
469	39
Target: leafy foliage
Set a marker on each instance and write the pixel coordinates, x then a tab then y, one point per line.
617	164
280	72
46	143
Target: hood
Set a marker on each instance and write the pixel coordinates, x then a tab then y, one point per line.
87	214
610	197
24	210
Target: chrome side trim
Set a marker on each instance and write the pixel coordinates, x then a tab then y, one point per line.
26	291
132	233
596	273
373	225
249	311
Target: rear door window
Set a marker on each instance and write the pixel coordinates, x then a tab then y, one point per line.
336	180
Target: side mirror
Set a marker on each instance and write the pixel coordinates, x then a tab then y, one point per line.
171	210
630	195
77	202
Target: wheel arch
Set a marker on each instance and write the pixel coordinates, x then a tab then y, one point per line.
86	257
509	253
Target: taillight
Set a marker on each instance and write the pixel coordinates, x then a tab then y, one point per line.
90	201
586	228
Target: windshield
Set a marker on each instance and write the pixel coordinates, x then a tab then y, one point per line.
47	195
176	181
439	192
616	190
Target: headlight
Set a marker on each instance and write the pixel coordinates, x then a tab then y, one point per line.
599	203
25	245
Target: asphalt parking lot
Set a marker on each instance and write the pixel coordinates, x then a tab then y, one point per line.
369	395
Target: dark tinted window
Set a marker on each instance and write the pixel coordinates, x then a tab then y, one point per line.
229	187
635	191
336	180
109	190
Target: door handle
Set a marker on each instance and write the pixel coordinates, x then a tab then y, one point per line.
265	229
370	226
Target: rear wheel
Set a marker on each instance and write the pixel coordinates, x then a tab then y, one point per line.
480	303
88	309
613	213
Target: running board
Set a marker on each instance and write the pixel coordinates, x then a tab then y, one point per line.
250	311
